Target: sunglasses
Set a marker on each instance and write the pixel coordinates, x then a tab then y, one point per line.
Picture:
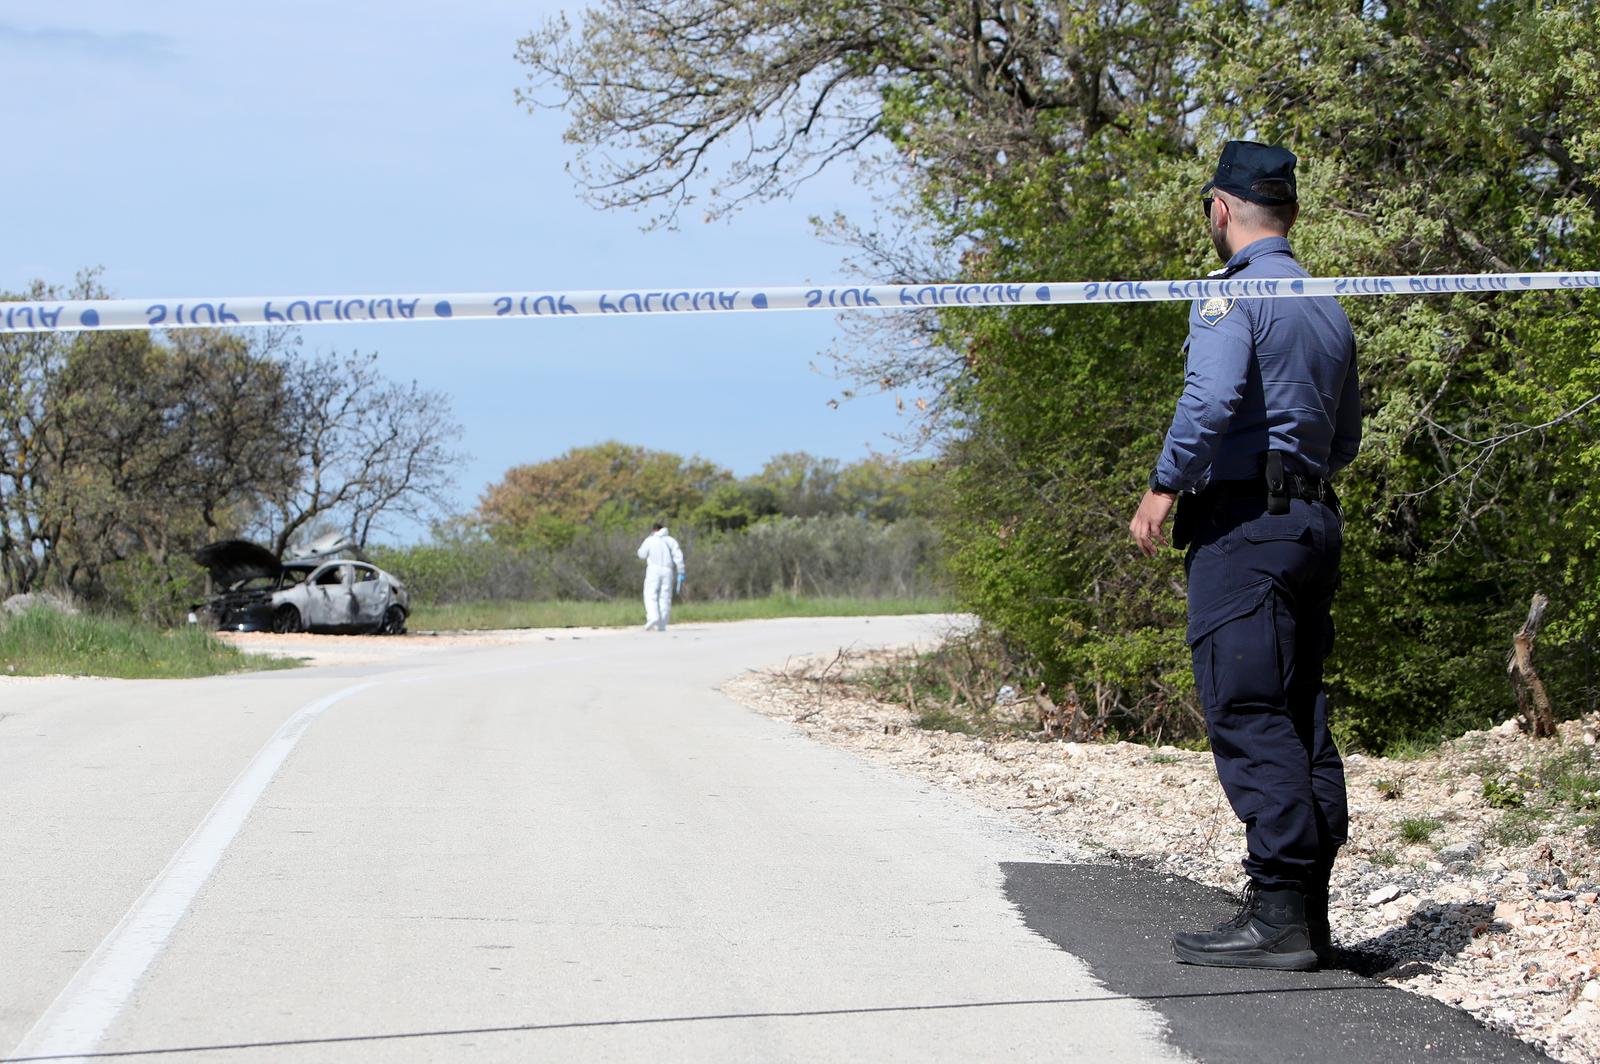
1205	205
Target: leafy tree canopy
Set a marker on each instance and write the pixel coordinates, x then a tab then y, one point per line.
1068	140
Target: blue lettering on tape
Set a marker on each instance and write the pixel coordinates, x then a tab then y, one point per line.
539	306
36	317
1363	285
839	297
188	314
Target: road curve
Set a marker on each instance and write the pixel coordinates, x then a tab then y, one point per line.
567	848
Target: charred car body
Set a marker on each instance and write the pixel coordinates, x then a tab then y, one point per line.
253	590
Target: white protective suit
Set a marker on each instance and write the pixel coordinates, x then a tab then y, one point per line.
662	556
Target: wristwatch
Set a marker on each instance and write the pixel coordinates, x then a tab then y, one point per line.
1160	488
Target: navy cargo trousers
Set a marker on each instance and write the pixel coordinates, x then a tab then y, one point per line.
1261	587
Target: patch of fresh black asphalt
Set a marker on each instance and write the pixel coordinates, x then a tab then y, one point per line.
1120	922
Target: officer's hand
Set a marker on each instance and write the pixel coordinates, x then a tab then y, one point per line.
1147	521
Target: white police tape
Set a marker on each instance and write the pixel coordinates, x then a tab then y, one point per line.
76	315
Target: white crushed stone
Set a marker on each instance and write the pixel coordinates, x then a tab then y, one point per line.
1508	932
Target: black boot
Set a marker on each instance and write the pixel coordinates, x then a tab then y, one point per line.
1317	926
1268	932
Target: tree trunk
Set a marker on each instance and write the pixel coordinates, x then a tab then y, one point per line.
1532	699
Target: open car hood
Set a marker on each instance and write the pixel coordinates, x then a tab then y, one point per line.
233	560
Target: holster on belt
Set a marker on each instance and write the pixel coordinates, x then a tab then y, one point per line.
1185	520
1277	484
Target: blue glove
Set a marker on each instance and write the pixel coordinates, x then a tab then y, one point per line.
680	581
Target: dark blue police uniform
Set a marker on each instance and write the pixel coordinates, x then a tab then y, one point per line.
1266	375
1270	411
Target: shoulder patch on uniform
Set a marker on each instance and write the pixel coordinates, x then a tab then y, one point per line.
1214	309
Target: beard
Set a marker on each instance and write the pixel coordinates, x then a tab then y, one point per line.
1219	240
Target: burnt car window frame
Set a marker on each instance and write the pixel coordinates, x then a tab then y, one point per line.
317	578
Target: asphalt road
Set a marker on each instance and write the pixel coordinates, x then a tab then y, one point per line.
567	849
575	848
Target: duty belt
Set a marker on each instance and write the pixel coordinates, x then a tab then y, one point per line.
1313	489
1276	486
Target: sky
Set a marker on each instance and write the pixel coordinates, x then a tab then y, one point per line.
210	149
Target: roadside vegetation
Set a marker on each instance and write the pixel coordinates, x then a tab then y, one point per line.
46	642
1071	141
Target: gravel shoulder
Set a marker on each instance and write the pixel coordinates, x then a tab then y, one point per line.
1457	882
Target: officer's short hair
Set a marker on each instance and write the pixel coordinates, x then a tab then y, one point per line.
656	526
1276	216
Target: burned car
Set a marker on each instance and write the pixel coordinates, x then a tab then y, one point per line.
253	590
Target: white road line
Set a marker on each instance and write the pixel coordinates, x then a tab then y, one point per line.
81	1014
86	1008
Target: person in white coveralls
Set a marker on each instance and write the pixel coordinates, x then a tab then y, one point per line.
662	557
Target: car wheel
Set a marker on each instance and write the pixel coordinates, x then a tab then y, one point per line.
394	621
286	619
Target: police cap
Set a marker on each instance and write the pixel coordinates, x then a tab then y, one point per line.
1260	173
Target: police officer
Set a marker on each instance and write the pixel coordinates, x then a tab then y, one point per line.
1270	411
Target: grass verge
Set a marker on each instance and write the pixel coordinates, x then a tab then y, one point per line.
628	612
43	642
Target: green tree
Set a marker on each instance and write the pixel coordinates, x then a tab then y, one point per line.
735	504
121	452
1068	141
608	485
803	484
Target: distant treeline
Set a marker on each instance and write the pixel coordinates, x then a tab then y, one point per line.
615	485
839	555
567	528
